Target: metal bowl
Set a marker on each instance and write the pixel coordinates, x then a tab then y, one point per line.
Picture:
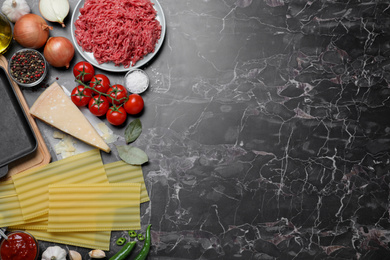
16	68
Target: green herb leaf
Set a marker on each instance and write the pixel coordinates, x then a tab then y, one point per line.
133	130
132	155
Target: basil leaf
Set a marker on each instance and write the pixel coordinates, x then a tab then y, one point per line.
132	155
133	130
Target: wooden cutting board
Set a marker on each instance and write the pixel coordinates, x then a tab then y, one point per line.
41	156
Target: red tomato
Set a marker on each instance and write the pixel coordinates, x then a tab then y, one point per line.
134	104
100	83
81	95
98	105
116	116
117	94
83	71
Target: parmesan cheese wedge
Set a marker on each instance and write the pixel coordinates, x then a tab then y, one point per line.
55	108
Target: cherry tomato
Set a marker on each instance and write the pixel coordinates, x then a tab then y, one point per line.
100	83
81	95
98	105
134	104
117	94
83	71
116	116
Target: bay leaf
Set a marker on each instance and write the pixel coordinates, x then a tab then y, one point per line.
133	130
132	155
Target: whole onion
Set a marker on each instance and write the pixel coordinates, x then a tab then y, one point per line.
58	52
31	31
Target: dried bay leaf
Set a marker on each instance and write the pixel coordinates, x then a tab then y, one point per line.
132	155
133	130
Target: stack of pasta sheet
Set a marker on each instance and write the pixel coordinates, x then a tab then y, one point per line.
77	200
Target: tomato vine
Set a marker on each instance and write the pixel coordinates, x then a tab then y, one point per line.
120	101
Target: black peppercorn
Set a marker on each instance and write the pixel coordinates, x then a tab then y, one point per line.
27	66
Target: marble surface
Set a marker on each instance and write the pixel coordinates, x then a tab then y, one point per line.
266	125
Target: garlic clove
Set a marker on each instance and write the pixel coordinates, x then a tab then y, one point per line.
97	254
54	10
74	255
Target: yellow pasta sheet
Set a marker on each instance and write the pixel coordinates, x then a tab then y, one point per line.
32	186
36	225
94	207
10	210
95	240
121	172
7	188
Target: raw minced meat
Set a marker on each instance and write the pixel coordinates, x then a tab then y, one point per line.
119	31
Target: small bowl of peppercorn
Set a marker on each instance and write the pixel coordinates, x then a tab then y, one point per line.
27	67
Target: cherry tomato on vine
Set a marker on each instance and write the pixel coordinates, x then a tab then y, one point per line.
100	83
83	71
81	95
134	104
116	115
117	94
98	105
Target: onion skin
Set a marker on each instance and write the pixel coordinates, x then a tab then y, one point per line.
31	31
58	52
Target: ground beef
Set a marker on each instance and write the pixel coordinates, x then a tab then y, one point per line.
119	31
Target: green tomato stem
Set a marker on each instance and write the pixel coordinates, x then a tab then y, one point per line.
102	93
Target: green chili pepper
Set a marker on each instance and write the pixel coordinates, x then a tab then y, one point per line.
132	233
141	237
121	241
124	252
145	249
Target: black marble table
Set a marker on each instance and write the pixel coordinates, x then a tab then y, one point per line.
267	125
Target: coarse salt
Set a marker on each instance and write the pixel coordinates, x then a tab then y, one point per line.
137	81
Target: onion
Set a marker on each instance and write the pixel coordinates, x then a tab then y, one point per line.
58	52
31	31
54	10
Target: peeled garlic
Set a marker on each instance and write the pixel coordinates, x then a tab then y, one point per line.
74	255
54	10
97	254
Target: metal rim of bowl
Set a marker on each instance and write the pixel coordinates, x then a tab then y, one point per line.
32	84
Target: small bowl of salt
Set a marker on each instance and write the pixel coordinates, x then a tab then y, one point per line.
136	81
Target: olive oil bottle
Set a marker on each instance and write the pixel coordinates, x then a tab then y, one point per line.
5	33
